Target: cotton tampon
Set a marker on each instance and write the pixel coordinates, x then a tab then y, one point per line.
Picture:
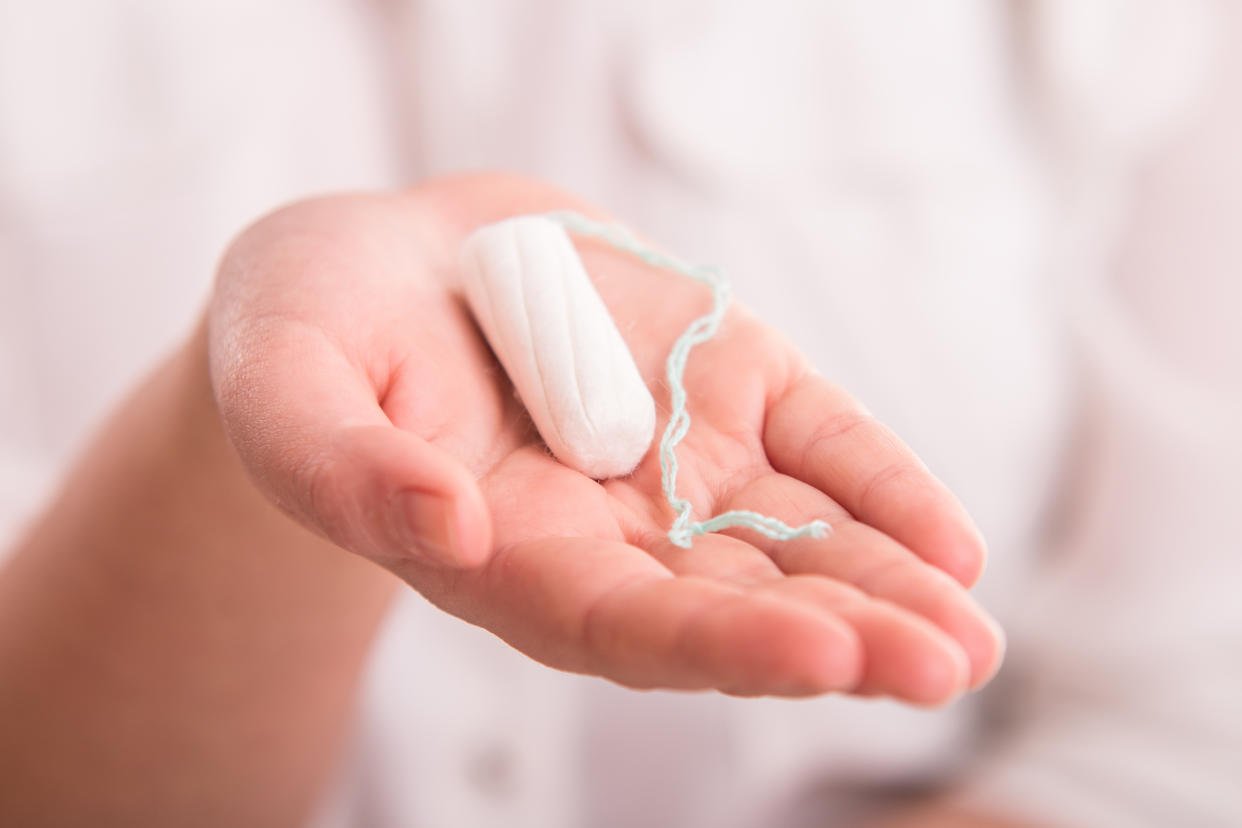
557	341
504	251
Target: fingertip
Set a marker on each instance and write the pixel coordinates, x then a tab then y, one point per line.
835	662
937	597
404	498
918	663
786	650
471	524
950	541
979	637
972	556
450	526
437	528
471	527
988	654
939	677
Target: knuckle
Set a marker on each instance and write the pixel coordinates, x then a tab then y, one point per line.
829	431
876	579
895	474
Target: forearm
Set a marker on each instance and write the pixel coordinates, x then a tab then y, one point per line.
173	650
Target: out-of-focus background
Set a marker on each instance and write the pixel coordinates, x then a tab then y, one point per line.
1011	228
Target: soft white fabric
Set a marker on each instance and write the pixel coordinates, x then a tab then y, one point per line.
546	323
928	197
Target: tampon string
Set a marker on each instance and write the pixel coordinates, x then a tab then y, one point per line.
684	528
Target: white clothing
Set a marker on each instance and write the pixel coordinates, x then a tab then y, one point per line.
930	205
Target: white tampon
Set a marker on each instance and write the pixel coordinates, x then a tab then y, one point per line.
559	345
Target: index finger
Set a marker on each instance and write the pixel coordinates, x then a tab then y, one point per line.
818	433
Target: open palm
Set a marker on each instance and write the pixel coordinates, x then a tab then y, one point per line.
363	400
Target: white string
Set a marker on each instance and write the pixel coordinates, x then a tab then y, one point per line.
683	530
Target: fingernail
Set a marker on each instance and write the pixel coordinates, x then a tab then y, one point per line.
425	523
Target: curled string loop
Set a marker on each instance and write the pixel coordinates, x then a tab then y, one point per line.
684	529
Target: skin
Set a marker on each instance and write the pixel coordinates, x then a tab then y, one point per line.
173	649
184	652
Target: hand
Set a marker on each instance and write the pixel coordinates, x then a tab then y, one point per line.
361	398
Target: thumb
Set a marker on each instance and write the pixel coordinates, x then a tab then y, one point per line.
390	495
309	428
